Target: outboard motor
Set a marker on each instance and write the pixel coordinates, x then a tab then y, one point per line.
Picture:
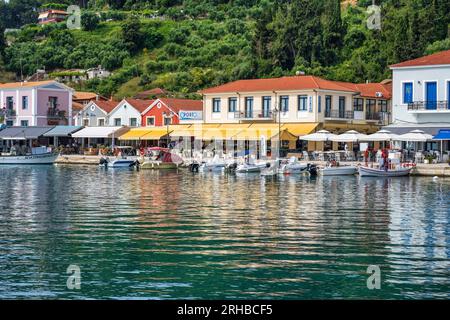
194	167
103	162
231	167
268	165
312	169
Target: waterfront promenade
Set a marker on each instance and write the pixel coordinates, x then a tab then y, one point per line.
440	169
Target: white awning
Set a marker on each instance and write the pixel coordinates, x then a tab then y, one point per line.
100	132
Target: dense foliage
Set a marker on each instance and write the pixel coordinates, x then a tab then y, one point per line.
184	46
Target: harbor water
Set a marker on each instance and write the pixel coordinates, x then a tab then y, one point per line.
177	235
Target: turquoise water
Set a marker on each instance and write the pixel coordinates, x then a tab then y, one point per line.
168	235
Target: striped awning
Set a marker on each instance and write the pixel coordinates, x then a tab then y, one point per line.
135	134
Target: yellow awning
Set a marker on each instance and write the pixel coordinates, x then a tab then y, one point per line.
300	129
182	130
269	133
155	134
135	134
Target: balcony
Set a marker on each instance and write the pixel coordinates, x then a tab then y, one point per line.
339	115
56	115
254	115
7	113
429	106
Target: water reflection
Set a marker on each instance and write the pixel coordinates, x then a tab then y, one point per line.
166	234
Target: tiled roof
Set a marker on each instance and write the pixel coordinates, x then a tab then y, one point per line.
106	106
278	84
76	106
440	58
140	105
369	90
24	84
183	104
80	95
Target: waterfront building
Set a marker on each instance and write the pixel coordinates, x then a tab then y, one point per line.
128	113
168	111
421	96
95	113
39	103
300	104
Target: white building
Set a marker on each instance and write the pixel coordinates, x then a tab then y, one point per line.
421	94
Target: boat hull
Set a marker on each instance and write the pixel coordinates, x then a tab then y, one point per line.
338	171
46	158
371	172
122	164
293	169
153	165
250	168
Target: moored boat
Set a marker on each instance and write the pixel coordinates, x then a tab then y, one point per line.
160	159
373	172
117	163
293	166
338	171
43	158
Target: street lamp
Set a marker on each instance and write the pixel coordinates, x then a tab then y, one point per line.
168	115
278	110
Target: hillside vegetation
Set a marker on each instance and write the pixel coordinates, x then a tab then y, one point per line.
184	46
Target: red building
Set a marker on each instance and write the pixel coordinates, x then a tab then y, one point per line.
166	111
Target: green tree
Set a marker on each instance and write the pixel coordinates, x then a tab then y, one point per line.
89	21
132	35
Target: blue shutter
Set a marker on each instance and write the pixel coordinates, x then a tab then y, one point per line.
310	104
320	104
408	92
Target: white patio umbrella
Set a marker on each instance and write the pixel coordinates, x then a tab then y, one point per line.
319	136
349	136
415	136
382	135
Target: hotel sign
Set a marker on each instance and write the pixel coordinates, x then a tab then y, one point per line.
191	115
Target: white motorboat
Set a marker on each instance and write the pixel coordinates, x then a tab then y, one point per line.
272	170
43	158
216	164
374	172
293	166
117	163
338	171
251	166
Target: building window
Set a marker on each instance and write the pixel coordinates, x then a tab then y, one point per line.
266	106
117	122
328	106
150	122
383	105
216	105
24	102
302	103
284	103
133	122
53	102
407	92
24	123
101	122
9	103
320	104
341	107
249	107
9	123
358	104
85	122
232	105
167	121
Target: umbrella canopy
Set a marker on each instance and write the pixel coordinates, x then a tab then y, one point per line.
415	136
319	136
349	136
382	135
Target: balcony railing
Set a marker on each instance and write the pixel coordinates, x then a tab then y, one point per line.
336	114
7	113
254	115
429	105
56	114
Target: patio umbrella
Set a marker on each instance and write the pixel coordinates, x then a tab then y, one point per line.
415	136
319	136
349	136
382	135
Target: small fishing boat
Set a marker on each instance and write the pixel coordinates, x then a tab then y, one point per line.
252	166
272	170
338	170
43	158
160	159
374	172
293	166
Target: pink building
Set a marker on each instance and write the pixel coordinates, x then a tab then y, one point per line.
42	103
